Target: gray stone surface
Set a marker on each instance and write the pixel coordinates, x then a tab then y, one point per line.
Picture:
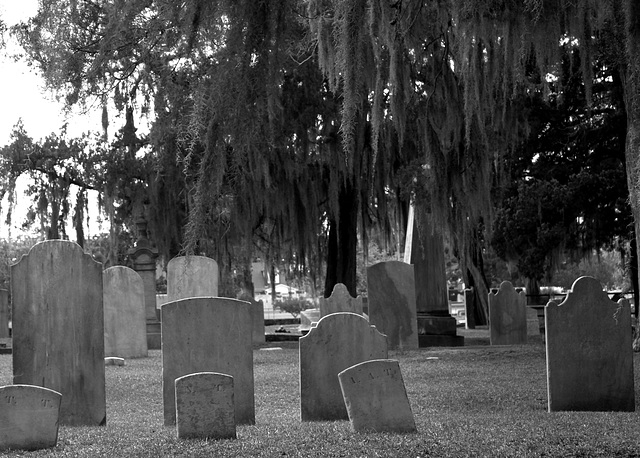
208	334
192	276
257	321
205	407
392	303
113	361
334	343
125	326
340	301
58	328
507	316
589	352
28	417
4	313
376	398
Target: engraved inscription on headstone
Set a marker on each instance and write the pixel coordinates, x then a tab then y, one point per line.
205	407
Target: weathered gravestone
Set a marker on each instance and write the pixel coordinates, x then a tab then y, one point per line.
208	334
4	314
28	417
334	343
376	398
340	301
125	326
589	352
204	406
392	303
58	328
257	321
192	276
507	316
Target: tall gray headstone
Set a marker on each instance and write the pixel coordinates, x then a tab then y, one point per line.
340	301
205	407
28	417
257	321
392	303
192	276
376	398
589	352
4	314
334	343
58	328
125	325
208	334
507	316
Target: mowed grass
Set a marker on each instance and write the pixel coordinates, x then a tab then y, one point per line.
471	401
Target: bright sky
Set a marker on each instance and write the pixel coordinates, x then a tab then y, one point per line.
22	96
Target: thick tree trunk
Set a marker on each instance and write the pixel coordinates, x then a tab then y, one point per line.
343	244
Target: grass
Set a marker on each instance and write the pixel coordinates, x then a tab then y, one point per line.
471	401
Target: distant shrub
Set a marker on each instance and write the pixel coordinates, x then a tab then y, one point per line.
294	305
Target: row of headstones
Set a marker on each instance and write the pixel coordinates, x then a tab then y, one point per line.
588	345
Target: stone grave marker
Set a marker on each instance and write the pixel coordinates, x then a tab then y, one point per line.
376	398
334	343
589	352
533	323
58	328
208	334
257	321
28	417
4	314
392	303
340	301
204	406
507	316
125	326
191	276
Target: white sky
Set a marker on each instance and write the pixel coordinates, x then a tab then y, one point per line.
22	96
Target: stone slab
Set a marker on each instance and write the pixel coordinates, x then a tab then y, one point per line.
4	314
507	316
58	328
589	352
392	303
376	398
192	276
257	321
125	326
205	407
28	417
208	334
334	343
340	301
113	361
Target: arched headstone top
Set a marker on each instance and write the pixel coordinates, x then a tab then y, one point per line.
506	287
57	246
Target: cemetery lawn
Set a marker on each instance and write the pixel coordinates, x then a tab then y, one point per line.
470	401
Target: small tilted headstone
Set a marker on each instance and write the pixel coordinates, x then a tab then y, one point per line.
507	316
28	417
205	407
113	361
376	398
589	351
192	276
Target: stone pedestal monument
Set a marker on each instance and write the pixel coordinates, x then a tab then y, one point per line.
143	257
436	326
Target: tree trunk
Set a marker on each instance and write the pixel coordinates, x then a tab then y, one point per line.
343	244
632	102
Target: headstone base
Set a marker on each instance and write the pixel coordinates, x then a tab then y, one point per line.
154	335
435	324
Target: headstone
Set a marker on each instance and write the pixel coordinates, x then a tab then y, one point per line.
533	323
125	326
589	352
257	321
58	328
334	343
208	334
469	309
113	361
204	406
392	303
340	301
507	316
28	417
257	277
376	398
191	276
4	314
